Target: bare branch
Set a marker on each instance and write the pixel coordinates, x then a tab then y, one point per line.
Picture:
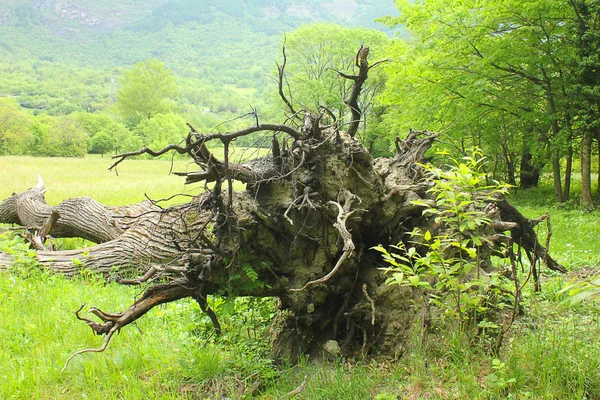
352	102
371	302
298	390
281	73
224	137
154	296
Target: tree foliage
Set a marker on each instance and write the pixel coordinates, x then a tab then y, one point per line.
317	54
14	128
499	74
145	91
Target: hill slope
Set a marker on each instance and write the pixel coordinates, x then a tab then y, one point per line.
60	56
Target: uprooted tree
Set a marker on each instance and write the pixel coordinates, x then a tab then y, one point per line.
311	211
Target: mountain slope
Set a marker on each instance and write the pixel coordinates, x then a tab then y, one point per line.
66	55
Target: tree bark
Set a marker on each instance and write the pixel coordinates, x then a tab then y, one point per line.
529	175
556	175
510	165
79	217
568	172
586	170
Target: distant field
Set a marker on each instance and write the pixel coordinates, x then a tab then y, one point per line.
89	176
247	92
72	177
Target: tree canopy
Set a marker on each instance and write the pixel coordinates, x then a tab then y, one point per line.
503	75
145	90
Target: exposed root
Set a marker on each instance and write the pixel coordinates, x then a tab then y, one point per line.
299	203
340	225
201	300
371	302
99	329
111	323
152	271
298	390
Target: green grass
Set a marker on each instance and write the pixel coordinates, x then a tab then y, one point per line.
551	352
73	177
40	332
244	92
575	232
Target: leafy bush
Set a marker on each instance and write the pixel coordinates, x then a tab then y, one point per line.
446	261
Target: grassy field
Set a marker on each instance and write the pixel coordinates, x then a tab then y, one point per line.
551	353
72	177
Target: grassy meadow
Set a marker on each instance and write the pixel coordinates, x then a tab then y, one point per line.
551	352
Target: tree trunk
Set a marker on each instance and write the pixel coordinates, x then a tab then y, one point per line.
510	165
556	171
598	169
568	172
586	170
529	175
556	175
81	217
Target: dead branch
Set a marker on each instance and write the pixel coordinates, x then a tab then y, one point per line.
223	137
201	300
300	202
111	323
281	78
524	234
299	389
37	238
504	225
371	303
152	271
352	102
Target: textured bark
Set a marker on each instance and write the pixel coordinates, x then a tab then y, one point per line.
153	236
79	217
556	178
586	171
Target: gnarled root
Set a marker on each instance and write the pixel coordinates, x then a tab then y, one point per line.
111	323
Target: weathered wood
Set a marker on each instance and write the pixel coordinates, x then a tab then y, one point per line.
38	238
79	217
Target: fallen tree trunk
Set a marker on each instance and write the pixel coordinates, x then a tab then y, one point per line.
81	217
301	231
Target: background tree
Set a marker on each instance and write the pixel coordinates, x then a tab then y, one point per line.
145	90
60	136
585	33
14	128
496	74
316	54
102	143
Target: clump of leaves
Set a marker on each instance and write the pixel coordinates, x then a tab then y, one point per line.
445	262
24	260
577	291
